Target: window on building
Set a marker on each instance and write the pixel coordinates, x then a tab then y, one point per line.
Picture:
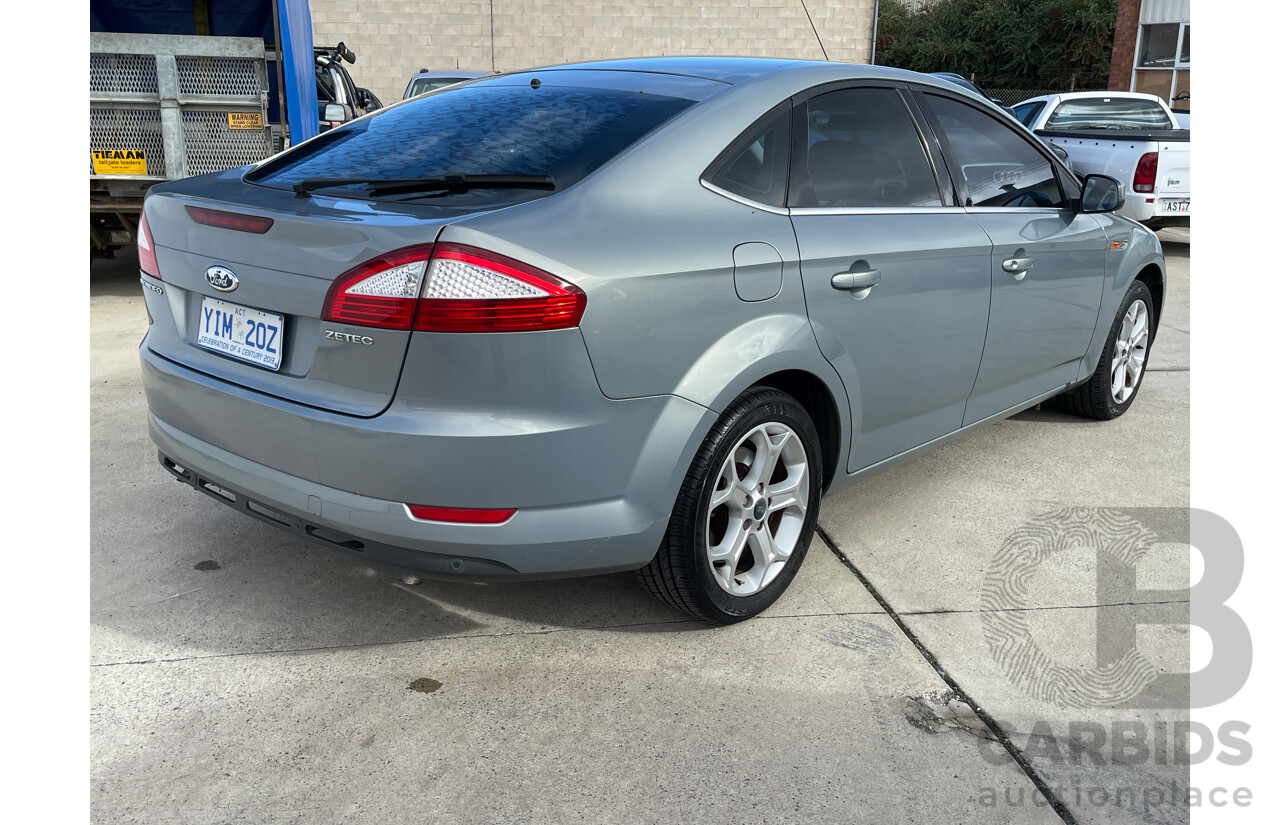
1159	47
1163	62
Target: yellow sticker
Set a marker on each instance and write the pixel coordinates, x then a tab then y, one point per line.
119	162
244	120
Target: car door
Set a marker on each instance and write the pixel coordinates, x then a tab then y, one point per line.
1047	259
896	277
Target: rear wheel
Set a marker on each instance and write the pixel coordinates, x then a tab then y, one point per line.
745	514
1114	385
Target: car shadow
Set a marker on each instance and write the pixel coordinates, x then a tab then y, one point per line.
116	277
1051	413
1175	241
172	574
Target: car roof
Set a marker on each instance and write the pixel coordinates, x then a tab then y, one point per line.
723	69
699	78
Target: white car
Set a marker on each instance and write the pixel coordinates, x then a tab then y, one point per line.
1132	137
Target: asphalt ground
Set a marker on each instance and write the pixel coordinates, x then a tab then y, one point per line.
919	669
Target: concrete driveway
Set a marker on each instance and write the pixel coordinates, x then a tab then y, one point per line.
241	675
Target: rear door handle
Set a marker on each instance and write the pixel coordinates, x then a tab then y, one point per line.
855	281
1015	265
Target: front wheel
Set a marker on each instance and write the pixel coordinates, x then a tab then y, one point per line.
745	514
1114	385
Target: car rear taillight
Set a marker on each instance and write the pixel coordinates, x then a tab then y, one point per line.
1144	176
146	250
382	292
471	290
230	220
453	288
459	515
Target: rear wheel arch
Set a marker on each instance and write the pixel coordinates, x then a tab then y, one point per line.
1153	277
817	399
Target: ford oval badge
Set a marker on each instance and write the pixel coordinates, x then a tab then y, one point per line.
221	278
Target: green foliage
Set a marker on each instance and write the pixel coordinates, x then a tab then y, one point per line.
1002	42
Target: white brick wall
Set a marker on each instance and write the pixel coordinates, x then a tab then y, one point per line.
392	39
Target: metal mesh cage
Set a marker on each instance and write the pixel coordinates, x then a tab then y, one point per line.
221	76
129	73
128	129
213	146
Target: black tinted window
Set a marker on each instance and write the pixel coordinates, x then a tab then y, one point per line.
999	167
488	130
758	170
863	150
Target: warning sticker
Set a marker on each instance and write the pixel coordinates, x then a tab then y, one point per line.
119	162
244	120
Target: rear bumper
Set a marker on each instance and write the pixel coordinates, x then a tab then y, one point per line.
593	487
1153	214
545	542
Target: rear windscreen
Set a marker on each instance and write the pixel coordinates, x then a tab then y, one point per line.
478	130
1109	113
429	84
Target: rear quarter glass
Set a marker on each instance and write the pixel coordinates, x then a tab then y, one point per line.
563	132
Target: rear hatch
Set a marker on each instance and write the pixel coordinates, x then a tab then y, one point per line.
381	183
282	277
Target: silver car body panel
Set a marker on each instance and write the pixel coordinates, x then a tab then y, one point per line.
589	431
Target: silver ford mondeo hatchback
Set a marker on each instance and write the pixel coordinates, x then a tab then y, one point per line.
630	315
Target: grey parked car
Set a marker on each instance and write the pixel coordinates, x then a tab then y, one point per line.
428	81
629	315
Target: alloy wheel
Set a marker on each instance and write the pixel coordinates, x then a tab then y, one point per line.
1130	352
757	509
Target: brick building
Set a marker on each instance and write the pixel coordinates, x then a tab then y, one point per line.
394	38
1152	49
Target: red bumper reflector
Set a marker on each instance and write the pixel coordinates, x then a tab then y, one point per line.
230	220
460	515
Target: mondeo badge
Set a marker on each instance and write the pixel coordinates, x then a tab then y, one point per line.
221	278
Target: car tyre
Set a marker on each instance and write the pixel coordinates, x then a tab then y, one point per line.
1111	389
745	514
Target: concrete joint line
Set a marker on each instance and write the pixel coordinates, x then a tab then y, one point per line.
1021	760
1050	607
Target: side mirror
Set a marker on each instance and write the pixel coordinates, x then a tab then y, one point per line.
367	100
1101	193
334	112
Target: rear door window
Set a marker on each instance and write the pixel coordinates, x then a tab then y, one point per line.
863	150
999	167
484	130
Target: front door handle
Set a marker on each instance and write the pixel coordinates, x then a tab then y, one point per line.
855	281
1015	265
